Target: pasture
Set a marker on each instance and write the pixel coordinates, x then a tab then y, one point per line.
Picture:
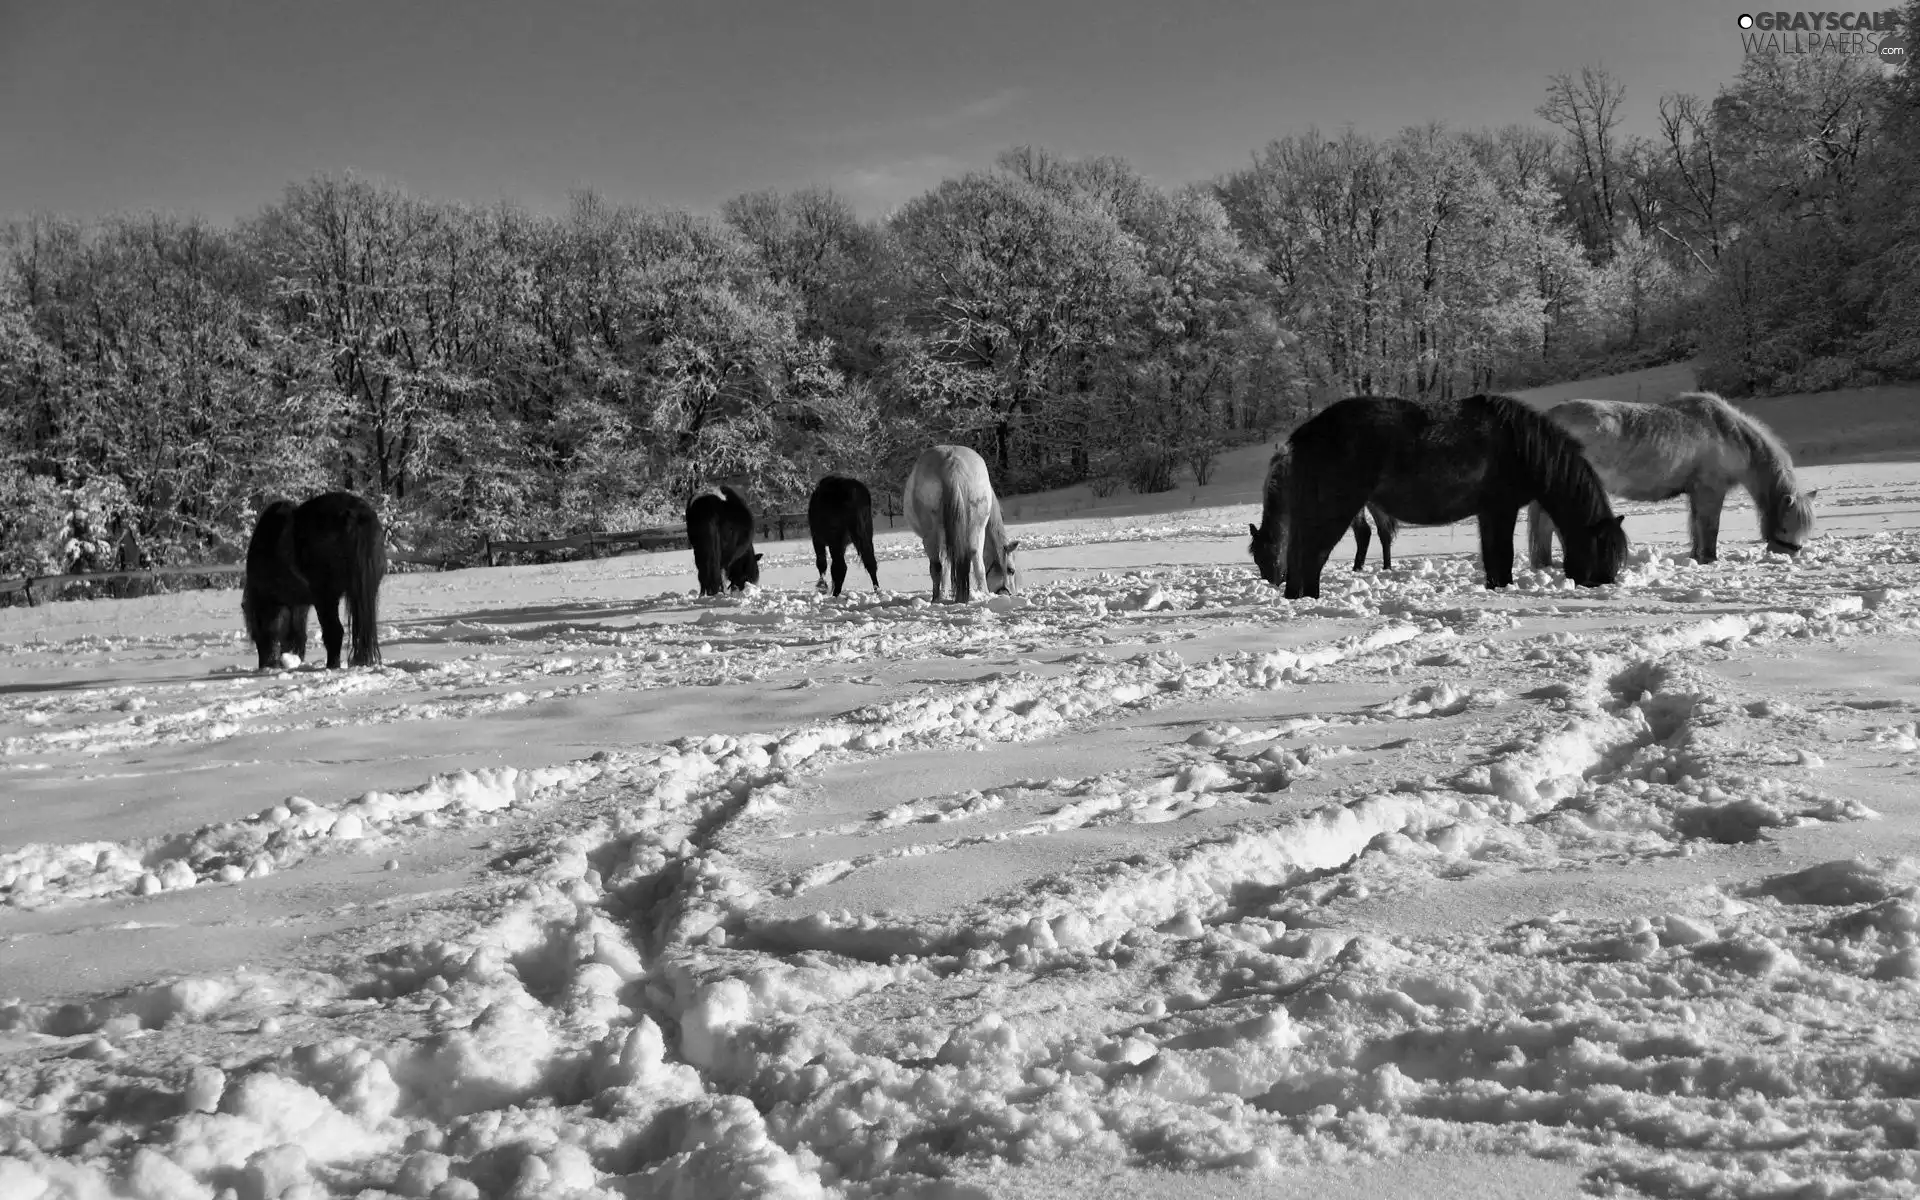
1142	881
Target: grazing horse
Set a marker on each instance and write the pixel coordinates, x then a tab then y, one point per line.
949	502
720	528
1695	445
1434	462
330	547
841	511
1269	545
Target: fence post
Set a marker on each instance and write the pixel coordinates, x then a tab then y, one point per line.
28	589
491	561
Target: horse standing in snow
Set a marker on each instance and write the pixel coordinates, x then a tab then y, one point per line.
1695	445
1434	462
1269	545
312	556
841	511
949	502
720	529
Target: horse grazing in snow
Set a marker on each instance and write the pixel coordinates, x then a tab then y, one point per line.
720	528
312	556
1695	445
1434	462
1269	545
949	502
841	511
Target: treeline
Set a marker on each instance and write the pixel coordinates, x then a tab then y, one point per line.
486	370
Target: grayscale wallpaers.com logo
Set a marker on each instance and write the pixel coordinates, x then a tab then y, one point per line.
1874	33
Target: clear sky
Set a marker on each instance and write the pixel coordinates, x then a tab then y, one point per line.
213	106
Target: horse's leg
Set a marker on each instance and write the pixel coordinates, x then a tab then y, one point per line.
332	632
296	636
863	542
1387	528
274	620
1703	521
820	564
1496	544
839	565
1361	536
1540	533
933	565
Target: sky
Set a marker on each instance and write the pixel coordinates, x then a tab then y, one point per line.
214	106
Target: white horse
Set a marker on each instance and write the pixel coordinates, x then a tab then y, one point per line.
1695	445
949	502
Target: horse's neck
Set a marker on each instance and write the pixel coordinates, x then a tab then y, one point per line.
1767	481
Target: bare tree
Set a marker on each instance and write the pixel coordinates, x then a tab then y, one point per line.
1694	168
1588	112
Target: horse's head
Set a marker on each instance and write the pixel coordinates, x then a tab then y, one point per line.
1266	556
1788	522
743	571
1003	578
1595	557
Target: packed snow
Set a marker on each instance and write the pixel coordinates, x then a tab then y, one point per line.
1144	881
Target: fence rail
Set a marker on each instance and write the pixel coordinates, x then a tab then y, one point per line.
48	583
772	526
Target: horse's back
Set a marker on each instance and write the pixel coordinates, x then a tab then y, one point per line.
719	506
940	472
838	496
1645	452
336	508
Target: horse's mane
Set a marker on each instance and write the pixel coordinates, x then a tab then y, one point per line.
1273	491
996	538
1563	474
1772	465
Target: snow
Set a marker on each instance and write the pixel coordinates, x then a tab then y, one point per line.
1144	881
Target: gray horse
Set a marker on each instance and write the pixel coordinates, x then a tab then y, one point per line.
1695	445
949	502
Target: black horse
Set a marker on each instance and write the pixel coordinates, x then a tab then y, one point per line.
841	511
1269	545
312	555
1435	462
720	526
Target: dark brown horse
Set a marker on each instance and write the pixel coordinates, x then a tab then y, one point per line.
1269	545
720	528
314	555
1434	462
841	511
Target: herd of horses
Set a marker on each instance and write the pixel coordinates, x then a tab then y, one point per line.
1401	462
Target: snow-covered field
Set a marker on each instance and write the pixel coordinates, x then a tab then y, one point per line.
1144	882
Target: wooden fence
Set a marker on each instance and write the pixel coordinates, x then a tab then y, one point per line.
772	526
51	583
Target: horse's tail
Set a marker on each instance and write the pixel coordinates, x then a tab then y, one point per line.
953	527
712	571
366	566
863	534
